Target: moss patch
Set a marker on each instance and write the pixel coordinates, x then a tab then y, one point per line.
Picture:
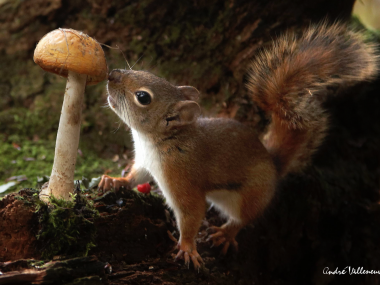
66	226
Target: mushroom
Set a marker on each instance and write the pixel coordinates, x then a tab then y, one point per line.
81	59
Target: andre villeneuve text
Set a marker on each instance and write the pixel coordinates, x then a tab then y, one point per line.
350	270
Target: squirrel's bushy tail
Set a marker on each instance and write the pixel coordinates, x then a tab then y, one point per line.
289	80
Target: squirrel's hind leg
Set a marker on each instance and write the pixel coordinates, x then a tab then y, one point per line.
241	207
225	235
229	204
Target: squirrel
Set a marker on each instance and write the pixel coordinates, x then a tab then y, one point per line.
195	159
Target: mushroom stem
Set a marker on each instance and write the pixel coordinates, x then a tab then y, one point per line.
61	181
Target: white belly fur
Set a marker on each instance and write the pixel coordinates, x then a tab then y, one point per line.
227	202
147	157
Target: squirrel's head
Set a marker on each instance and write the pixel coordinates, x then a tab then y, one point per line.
151	104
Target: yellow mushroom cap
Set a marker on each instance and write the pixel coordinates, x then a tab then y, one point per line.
62	50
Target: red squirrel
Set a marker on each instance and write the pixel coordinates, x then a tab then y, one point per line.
195	159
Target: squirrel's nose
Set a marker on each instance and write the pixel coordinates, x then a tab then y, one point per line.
115	76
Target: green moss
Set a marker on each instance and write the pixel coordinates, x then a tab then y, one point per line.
36	263
66	227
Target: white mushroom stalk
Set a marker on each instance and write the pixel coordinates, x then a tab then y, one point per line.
61	181
81	59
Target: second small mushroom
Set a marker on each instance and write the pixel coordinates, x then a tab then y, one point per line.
81	59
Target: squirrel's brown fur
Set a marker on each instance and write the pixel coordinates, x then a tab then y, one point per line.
288	81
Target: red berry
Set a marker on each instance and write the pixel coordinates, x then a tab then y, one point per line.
144	188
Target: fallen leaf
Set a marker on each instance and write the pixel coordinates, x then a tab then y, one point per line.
6	186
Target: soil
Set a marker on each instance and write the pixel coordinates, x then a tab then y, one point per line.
19	226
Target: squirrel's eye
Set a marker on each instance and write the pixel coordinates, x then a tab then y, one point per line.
143	97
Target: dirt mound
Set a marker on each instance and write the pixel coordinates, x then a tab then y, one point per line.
19	225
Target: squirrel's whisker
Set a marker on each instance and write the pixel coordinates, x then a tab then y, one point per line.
137	60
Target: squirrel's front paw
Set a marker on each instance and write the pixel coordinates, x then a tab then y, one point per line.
221	236
188	251
108	182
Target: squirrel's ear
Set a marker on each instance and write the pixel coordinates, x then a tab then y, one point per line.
186	113
190	92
